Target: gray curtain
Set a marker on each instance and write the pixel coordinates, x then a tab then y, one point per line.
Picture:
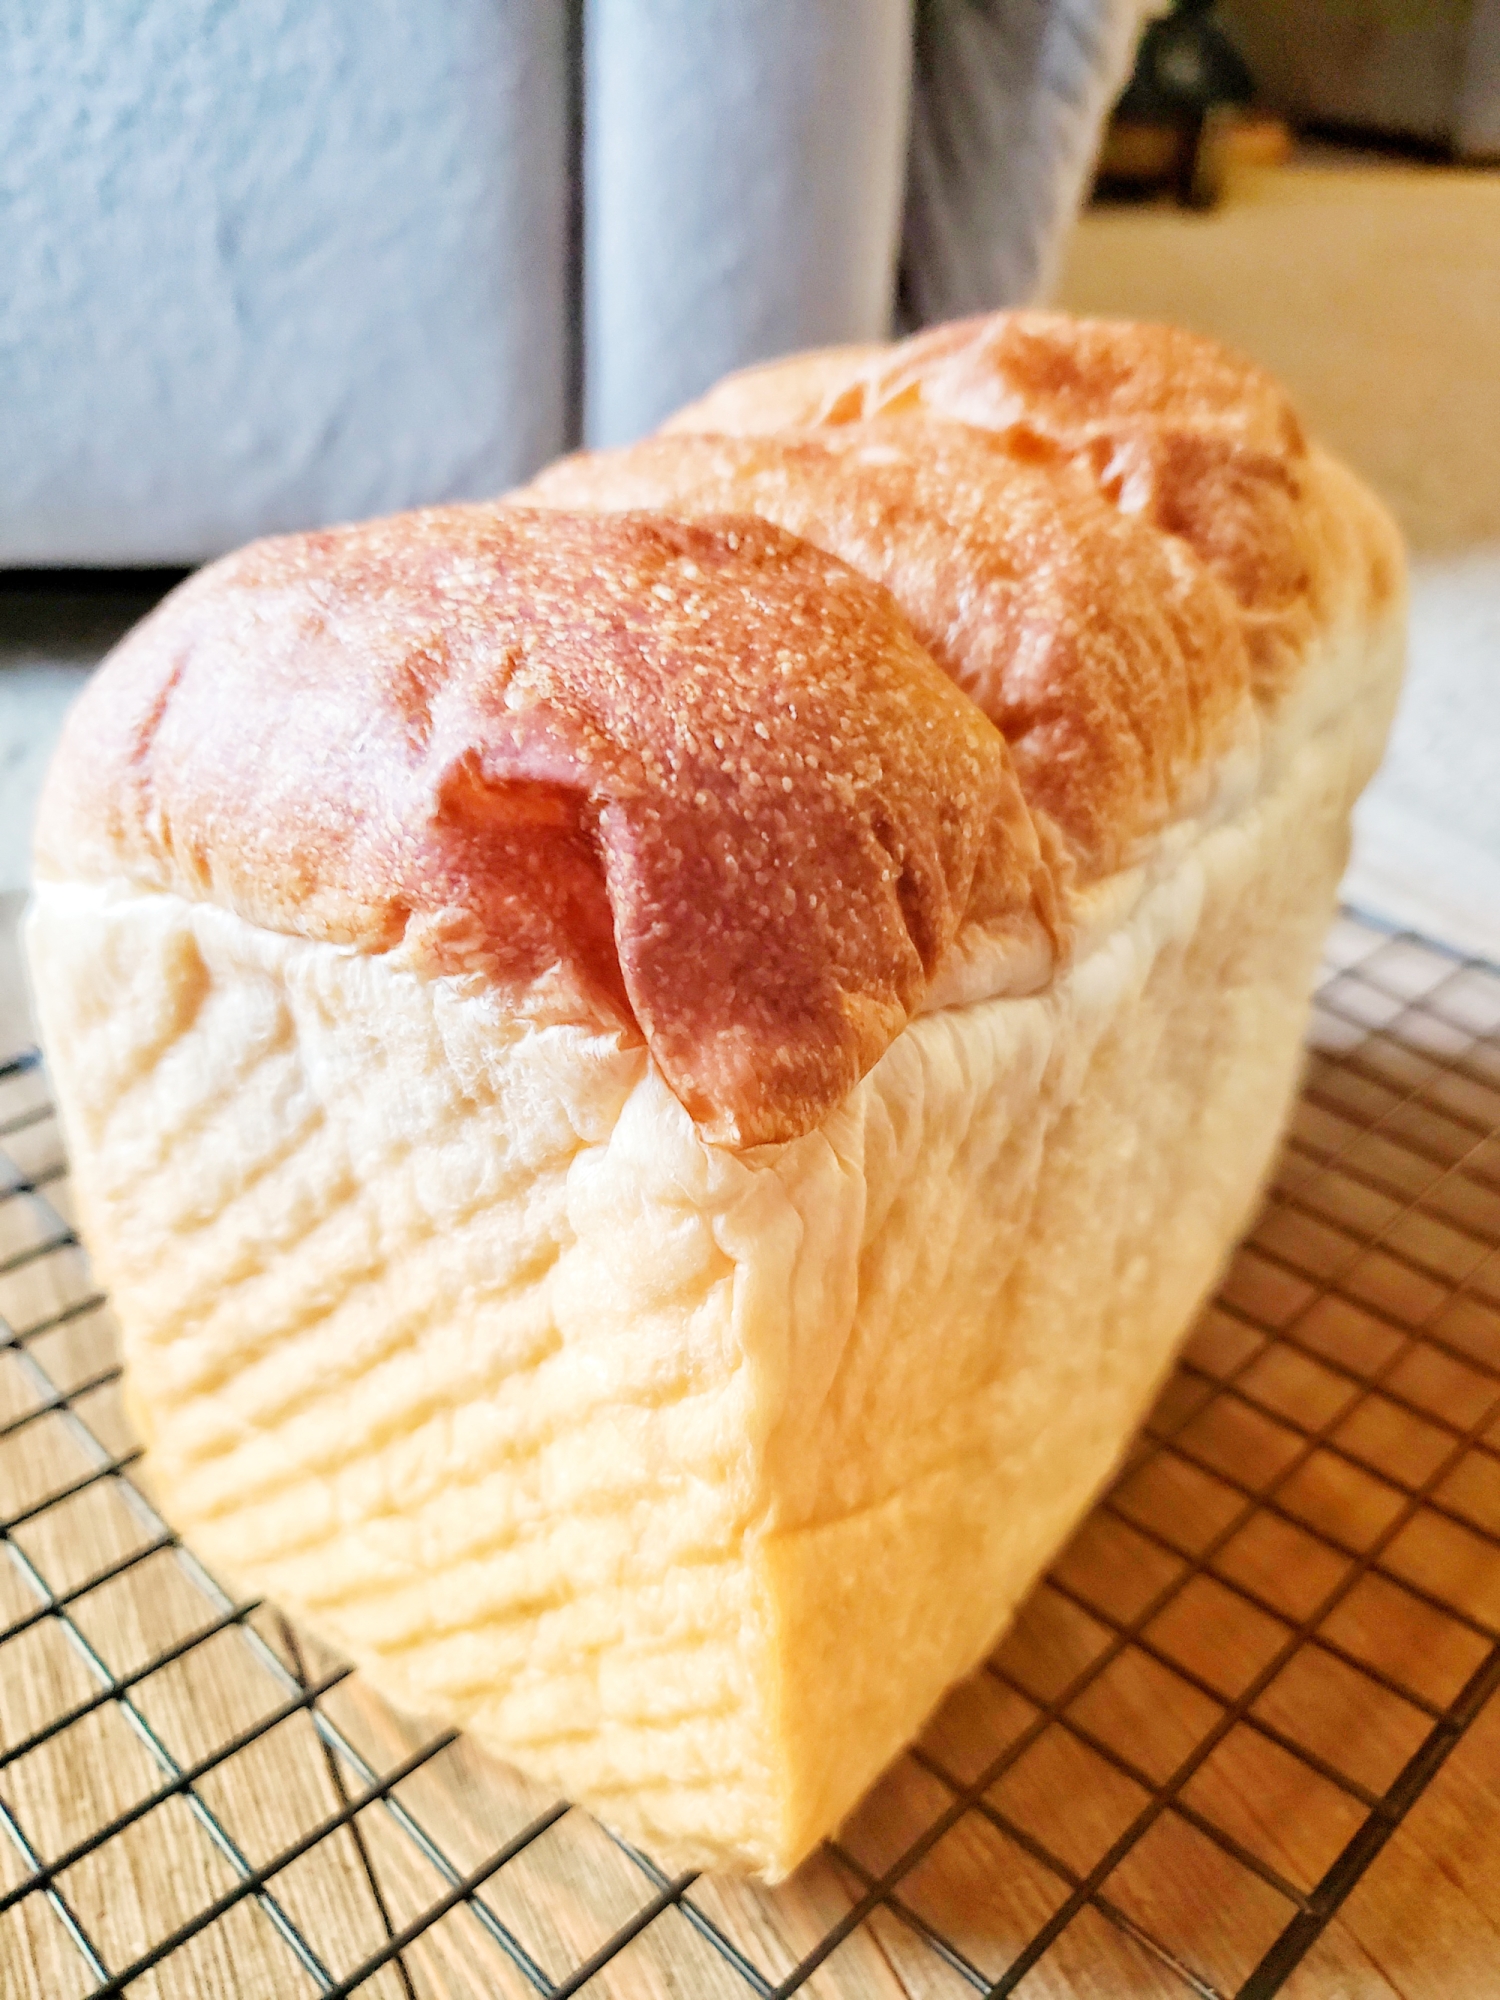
1009	101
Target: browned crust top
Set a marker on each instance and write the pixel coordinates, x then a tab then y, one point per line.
692	778
1112	662
1173	429
672	762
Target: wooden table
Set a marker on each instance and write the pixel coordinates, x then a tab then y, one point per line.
1158	1759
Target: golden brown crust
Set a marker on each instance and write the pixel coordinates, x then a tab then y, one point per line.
1108	657
1070	378
778	395
695	776
1173	429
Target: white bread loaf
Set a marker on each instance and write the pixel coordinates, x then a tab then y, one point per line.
649	1149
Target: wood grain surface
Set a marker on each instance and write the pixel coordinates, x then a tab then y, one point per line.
1244	1656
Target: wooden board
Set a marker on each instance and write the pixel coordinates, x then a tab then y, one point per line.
1239	1685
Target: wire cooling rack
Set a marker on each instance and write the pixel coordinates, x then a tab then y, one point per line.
1207	1722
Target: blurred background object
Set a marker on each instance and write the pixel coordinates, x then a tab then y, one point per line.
1421	70
1172	125
1224	83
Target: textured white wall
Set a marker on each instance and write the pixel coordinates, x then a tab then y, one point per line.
266	263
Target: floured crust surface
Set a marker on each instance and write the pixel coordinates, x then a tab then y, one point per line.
1111	661
695	780
1173	428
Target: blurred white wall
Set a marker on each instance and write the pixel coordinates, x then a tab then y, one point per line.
272	262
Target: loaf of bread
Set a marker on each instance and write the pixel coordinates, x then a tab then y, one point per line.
657	1068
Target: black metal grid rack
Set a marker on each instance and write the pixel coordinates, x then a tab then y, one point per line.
1208	1721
